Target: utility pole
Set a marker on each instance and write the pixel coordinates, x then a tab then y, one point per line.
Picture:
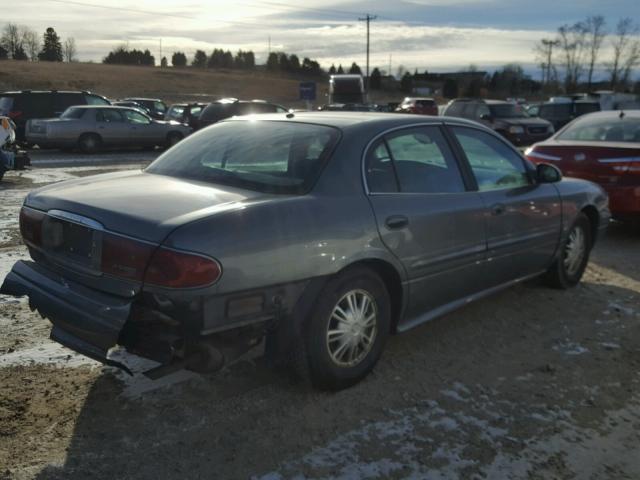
269	47
160	52
548	46
367	19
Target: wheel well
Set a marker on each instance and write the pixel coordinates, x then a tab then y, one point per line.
594	221
392	282
89	134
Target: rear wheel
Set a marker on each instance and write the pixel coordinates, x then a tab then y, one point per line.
89	143
347	331
173	138
572	260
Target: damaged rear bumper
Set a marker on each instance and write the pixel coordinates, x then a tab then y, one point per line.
84	320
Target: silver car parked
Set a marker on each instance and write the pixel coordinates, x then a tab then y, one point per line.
91	128
320	232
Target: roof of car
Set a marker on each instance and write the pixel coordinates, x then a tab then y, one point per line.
345	119
135	99
105	107
613	114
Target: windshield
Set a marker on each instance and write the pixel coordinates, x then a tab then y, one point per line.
73	112
507	111
598	129
275	157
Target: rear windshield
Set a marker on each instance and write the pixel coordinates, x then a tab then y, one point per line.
598	129
274	157
73	112
507	111
95	100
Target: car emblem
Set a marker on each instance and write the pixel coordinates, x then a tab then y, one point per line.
579	157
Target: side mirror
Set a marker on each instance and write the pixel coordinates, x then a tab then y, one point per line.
547	173
486	117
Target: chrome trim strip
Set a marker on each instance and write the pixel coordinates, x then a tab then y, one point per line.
619	160
75	218
543	156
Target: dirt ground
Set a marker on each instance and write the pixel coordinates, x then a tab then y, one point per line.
531	383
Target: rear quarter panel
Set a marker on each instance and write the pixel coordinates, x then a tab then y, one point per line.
579	194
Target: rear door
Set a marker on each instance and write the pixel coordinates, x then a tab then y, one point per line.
426	215
523	218
112	126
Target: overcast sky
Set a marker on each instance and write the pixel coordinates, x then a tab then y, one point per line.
436	35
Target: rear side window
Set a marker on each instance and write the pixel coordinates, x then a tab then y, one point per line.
495	165
583	108
38	105
62	101
420	160
109	115
159	107
95	100
175	113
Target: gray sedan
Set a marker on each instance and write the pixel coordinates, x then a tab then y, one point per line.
320	233
91	128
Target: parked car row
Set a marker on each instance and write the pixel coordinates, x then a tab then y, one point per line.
53	119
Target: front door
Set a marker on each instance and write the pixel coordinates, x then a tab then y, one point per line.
426	216
523	218
142	131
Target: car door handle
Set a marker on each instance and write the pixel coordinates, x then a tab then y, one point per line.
396	222
498	209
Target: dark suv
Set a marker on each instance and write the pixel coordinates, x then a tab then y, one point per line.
508	119
156	107
231	107
27	105
188	113
561	113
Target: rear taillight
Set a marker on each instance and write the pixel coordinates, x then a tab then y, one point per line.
124	257
31	225
175	269
15	114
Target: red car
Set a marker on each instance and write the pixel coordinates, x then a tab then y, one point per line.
418	105
603	147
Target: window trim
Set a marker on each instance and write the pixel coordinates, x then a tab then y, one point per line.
528	166
441	126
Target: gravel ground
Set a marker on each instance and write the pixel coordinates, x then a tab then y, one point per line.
531	383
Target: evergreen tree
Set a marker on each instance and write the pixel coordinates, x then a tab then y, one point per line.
51	47
406	83
179	59
294	63
4	53
227	59
272	62
375	82
355	69
20	53
164	63
450	88
199	59
332	69
340	70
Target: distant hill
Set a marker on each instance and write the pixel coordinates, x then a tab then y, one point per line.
170	84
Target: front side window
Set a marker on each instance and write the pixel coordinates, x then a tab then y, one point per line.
278	157
159	107
494	164
416	160
136	117
598	129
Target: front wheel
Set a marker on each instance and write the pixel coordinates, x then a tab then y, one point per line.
348	329
572	260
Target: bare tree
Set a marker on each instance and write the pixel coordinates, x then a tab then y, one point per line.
595	36
69	50
573	46
11	39
626	52
31	41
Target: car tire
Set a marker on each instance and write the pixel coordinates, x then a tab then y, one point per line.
173	138
89	143
573	257
344	337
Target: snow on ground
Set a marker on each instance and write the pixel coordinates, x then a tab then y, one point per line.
10	203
